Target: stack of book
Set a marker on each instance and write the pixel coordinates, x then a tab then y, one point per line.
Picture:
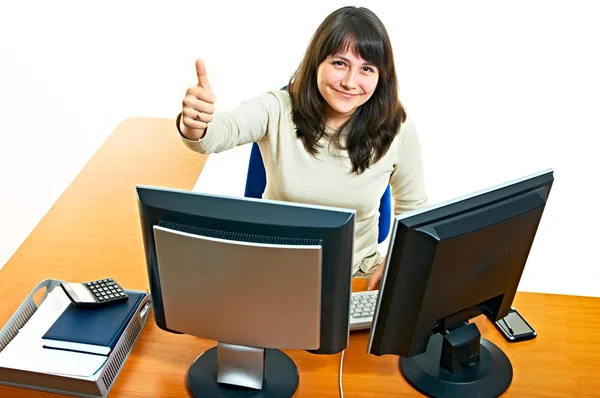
92	331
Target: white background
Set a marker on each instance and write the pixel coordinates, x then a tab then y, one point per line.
498	91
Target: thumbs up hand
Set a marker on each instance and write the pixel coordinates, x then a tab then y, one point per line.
198	106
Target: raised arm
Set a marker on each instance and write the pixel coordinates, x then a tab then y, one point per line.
407	179
207	131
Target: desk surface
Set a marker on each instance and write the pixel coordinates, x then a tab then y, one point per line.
93	231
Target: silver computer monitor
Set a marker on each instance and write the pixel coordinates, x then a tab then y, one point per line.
256	276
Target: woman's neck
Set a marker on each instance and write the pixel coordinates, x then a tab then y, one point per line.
334	124
334	120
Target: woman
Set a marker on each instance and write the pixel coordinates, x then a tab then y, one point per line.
337	137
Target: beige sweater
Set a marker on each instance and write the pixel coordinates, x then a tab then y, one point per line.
294	175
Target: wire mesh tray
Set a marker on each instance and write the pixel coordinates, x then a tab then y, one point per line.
97	385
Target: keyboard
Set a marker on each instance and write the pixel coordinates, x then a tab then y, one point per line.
362	308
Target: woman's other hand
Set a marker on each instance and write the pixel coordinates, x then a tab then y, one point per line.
376	278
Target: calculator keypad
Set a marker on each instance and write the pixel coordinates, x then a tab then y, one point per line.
106	290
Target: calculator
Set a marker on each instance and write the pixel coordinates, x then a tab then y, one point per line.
95	294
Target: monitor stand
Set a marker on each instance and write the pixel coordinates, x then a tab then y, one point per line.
459	364
229	370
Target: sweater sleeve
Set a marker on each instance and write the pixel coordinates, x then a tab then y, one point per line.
407	178
248	122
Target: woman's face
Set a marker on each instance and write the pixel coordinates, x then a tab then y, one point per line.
345	81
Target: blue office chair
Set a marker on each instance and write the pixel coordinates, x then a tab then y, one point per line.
256	181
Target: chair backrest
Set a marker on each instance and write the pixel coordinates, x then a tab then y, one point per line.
256	181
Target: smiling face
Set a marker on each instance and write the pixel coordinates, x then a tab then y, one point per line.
345	81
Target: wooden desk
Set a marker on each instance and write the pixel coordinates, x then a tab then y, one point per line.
93	230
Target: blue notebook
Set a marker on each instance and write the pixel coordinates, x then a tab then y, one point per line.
94	331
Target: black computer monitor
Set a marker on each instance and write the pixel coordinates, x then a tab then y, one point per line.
257	276
447	264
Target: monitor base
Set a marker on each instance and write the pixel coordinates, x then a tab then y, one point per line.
281	377
489	376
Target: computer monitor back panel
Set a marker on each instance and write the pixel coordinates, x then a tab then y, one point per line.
478	264
284	222
244	307
455	261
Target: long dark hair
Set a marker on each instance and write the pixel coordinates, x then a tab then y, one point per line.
373	126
